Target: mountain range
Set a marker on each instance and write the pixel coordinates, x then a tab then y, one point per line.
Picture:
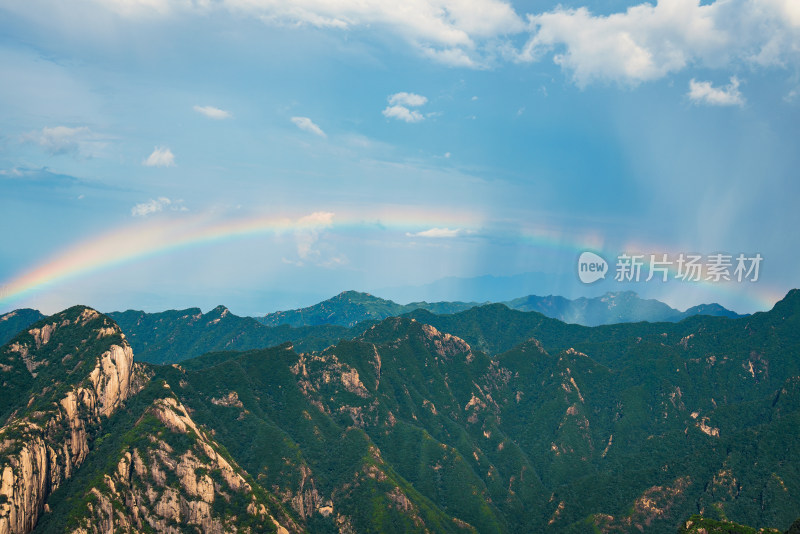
175	335
351	307
485	420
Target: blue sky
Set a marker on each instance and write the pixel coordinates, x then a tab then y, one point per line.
438	139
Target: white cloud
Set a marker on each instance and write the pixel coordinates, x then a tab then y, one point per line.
647	42
453	57
306	124
151	206
65	140
438	22
408	99
449	31
403	113
438	233
306	234
705	93
399	104
213	113
157	205
161	157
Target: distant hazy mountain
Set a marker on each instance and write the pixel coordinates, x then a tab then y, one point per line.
14	322
351	307
617	307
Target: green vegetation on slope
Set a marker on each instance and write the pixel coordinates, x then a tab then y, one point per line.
520	424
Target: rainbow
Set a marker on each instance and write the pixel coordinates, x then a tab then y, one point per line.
163	235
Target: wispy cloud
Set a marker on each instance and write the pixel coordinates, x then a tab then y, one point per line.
399	104
213	113
39	177
161	157
448	31
705	93
438	233
306	124
157	205
64	139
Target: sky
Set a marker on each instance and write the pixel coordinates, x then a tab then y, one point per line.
265	155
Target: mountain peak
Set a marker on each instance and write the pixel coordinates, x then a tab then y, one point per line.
352	293
70	369
789	304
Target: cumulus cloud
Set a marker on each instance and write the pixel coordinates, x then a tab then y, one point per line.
63	139
161	157
399	104
644	43
705	93
306	234
647	42
408	99
306	124
403	113
438	233
213	113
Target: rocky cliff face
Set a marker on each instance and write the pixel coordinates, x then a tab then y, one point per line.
48	436
174	476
